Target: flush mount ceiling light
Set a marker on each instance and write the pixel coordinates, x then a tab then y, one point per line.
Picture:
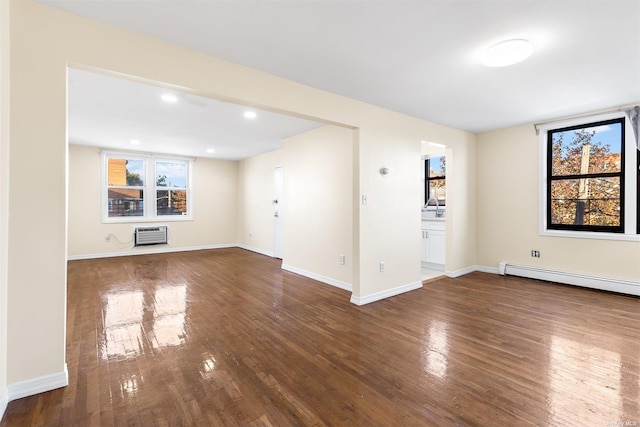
507	52
250	114
169	98
134	142
210	150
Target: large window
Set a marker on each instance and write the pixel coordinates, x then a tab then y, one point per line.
129	194
592	178
435	182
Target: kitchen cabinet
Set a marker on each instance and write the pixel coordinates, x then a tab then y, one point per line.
433	242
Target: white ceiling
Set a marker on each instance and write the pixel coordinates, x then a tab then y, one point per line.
109	112
420	58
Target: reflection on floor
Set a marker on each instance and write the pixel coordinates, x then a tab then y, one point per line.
428	274
226	337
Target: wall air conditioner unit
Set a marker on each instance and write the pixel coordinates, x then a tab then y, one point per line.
150	235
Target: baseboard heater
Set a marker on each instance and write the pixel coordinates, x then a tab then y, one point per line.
576	279
143	236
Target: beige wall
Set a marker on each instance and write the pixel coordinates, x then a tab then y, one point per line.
255	193
44	41
214	190
4	189
317	205
508	212
36	242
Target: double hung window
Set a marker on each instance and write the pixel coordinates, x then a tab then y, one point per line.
435	183
592	181
141	188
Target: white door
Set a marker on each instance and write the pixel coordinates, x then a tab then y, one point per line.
277	212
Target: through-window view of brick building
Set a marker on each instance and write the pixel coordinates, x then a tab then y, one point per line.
126	188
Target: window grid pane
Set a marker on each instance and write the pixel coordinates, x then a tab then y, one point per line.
125	172
125	202
171	202
600	208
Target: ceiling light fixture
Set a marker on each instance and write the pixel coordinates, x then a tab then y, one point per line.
250	114
169	98
507	52
134	142
210	150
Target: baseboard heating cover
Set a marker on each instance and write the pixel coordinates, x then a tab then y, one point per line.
576	279
150	235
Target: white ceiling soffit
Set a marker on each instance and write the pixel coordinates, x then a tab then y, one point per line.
421	58
110	112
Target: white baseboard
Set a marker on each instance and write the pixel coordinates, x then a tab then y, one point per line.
567	278
38	385
461	272
318	277
485	269
4	401
385	294
256	250
151	250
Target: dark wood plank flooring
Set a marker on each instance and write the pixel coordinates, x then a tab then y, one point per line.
226	338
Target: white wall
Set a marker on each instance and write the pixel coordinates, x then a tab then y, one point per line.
214	223
45	40
508	210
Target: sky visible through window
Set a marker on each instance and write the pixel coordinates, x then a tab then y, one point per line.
136	167
606	135
436	166
175	173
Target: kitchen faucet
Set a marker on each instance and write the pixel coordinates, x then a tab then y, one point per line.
439	212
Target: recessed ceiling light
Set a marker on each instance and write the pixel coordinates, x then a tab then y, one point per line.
507	52
210	150
134	142
169	98
250	114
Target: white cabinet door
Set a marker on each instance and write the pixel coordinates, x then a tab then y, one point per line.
436	242
433	242
425	246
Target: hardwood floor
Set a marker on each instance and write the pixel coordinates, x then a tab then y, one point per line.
225	337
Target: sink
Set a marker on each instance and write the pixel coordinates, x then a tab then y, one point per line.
431	215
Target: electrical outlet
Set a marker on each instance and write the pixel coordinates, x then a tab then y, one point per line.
381	267
341	258
364	199
535	254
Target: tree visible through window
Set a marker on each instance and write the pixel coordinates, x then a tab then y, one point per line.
125	191
171	188
585	177
435	183
130	193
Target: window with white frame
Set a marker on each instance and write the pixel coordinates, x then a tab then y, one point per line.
144	187
591	185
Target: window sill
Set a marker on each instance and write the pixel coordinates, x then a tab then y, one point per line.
141	219
591	235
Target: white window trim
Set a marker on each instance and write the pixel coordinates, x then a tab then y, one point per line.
149	198
630	193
